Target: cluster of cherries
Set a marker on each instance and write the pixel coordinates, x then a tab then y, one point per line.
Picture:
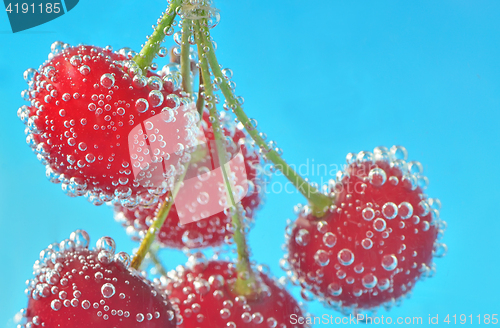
361	242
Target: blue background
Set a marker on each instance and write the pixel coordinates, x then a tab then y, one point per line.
323	79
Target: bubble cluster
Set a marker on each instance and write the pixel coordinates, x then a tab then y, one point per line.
377	240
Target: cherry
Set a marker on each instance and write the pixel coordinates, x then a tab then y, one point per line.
377	240
202	296
77	287
103	127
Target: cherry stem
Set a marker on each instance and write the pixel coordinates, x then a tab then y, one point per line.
319	202
157	223
185	61
148	52
152	231
245	283
153	255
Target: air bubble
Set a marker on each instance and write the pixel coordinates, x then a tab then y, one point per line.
106	244
82	146
423	208
367	243
29	74
322	258
192	239
302	237
85	304
90	158
440	250
75	60
379	224
107	290
329	239
368	214
405	210
123	258
389	262
155	98
141	105
56	305
389	210
84	70
369	280
399	152
203	198
107	80
345	257
384	284
80	238
334	289
377	177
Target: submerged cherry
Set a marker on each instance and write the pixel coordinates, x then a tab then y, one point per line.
77	287
377	240
94	121
202	296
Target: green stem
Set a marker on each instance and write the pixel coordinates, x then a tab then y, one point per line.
157	224
318	201
200	102
145	58
152	232
185	62
153	255
245	283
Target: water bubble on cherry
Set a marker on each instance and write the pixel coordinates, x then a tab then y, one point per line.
367	243
405	210
107	80
369	280
322	257
368	214
84	70
80	238
29	74
399	152
302	237
108	290
141	105
379	224
106	244
389	262
155	98
123	258
329	239
345	257
389	210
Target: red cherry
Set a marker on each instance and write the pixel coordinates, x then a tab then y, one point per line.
78	287
213	230
377	240
88	105
202	296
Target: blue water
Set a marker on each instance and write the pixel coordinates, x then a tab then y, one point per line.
323	79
